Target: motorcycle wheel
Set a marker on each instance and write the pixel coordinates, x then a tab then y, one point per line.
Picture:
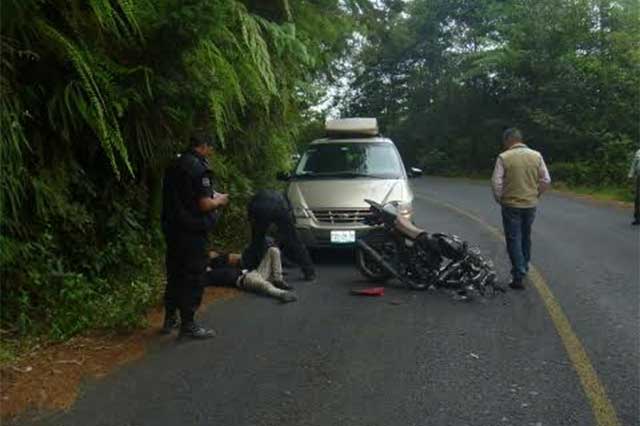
415	285
368	266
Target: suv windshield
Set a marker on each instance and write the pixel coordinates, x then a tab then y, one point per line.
357	159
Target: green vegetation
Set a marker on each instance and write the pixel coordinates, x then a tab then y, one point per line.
599	192
97	96
446	77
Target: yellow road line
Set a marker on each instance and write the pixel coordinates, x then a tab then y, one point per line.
601	406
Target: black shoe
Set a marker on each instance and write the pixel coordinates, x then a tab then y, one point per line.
170	324
288	297
310	276
516	285
635	222
194	331
282	284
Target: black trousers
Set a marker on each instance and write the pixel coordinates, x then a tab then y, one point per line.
287	236
186	261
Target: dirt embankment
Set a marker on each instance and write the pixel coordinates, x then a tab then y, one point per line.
48	377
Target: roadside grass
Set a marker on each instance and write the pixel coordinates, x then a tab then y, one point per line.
8	351
600	192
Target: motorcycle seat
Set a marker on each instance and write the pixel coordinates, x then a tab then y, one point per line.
405	227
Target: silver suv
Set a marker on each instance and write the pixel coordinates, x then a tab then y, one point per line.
331	180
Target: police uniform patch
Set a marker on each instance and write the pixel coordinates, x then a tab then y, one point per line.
206	182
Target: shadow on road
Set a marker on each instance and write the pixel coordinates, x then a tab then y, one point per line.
339	256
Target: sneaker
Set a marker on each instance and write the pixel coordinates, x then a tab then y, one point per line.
194	331
288	297
516	285
282	284
635	222
170	324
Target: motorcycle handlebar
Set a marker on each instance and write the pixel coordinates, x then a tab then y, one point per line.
373	204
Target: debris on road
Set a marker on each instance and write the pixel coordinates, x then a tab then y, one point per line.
368	291
476	356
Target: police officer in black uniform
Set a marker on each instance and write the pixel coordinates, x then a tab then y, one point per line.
268	207
190	208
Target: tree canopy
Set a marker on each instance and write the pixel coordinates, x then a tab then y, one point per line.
446	77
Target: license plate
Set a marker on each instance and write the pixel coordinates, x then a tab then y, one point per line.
342	237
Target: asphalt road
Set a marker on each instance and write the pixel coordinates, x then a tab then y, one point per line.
407	358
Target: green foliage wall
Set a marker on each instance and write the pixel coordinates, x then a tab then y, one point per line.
97	97
446	76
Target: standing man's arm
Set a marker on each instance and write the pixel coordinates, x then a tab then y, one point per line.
208	199
497	180
207	204
544	177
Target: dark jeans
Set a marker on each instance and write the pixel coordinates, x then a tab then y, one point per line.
186	261
636	204
517	231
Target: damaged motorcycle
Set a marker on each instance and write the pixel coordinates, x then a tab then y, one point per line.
396	248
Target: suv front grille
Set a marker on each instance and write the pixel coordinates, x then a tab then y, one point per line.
341	216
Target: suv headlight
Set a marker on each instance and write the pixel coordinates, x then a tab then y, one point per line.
405	210
300	212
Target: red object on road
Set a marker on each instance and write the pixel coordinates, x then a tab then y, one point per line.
371	291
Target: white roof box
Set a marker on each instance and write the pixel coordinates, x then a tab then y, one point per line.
352	127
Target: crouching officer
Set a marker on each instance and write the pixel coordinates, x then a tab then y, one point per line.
268	207
190	209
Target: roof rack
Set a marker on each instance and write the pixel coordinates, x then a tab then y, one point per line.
352	127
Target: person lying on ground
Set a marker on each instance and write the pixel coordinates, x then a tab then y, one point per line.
225	270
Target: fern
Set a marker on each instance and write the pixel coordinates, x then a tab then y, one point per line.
120	17
13	140
101	116
257	47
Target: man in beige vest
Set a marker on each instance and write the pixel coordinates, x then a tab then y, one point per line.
519	178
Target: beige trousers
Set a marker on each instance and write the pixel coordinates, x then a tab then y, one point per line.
258	280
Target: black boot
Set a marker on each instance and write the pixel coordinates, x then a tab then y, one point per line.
194	331
170	323
309	275
516	284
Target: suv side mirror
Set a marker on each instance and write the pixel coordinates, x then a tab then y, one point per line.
415	172
283	176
